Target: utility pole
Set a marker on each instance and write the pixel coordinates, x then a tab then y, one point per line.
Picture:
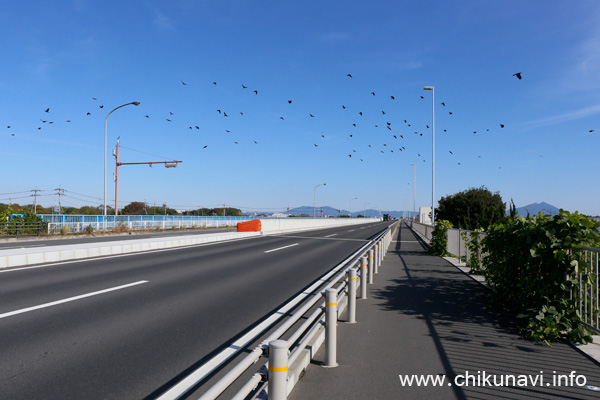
223	209
168	164
35	195
60	192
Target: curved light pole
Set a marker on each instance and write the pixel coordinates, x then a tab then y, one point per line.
315	200
355	198
432	88
135	103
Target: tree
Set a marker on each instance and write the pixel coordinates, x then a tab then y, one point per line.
134	208
472	209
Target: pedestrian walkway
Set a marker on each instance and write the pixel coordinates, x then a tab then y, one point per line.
425	318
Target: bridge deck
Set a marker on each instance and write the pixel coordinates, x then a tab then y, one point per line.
425	317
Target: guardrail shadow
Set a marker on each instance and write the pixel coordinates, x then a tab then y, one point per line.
467	336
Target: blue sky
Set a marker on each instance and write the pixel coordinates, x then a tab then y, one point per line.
62	55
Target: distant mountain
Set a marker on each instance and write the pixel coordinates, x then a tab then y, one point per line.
535	208
335	212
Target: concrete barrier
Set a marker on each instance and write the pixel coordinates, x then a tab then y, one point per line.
283	225
39	255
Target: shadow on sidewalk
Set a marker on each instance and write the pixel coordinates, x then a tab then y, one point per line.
470	338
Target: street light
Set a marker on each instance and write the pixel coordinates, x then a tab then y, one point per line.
414	188
432	88
315	200
408	213
351	205
135	103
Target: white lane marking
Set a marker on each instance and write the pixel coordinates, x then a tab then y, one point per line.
351	230
335	234
281	248
54	303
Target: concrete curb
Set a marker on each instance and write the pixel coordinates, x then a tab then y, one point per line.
26	257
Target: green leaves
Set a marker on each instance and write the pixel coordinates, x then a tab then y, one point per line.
439	240
472	209
531	264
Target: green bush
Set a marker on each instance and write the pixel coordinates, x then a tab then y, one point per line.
533	266
472	241
439	238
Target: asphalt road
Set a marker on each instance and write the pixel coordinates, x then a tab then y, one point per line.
122	327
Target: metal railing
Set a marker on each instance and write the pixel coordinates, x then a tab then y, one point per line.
82	223
588	298
284	346
18	229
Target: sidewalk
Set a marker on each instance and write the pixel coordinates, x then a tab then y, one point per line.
426	317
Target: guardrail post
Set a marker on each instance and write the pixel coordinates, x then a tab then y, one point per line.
351	296
371	264
377	257
363	277
330	328
278	369
39	224
17	229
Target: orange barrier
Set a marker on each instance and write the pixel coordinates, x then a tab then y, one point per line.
249	226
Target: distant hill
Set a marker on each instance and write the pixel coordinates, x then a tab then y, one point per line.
334	212
535	208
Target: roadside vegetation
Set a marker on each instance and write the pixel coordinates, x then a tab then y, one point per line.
532	263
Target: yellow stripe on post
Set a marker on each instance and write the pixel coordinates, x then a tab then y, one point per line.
352	279
331	304
278	369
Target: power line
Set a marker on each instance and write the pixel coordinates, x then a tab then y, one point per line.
150	154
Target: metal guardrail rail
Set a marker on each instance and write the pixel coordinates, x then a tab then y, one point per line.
338	286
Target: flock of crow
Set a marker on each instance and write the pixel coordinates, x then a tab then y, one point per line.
393	141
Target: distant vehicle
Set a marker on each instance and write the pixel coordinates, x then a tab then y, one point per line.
386	217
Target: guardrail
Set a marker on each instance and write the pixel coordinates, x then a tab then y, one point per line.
18	229
288	357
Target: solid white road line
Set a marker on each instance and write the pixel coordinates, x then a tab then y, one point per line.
284	247
54	303
335	234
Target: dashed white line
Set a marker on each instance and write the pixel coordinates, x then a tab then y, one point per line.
334	234
351	230
54	303
281	248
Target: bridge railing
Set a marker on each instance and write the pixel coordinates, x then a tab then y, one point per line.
83	223
287	345
589	294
